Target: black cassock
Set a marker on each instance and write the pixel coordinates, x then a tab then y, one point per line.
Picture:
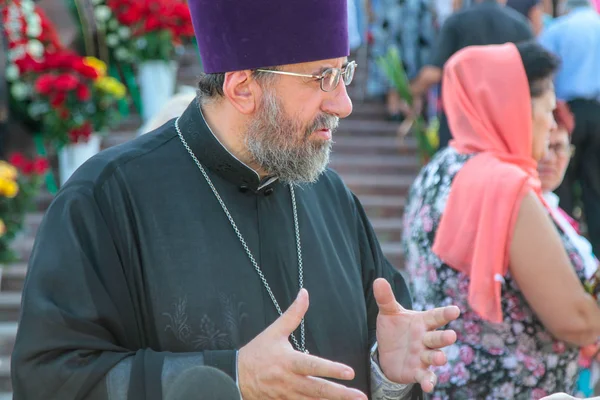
137	275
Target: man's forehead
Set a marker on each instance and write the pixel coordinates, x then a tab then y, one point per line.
315	66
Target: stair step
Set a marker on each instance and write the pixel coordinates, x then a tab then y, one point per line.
375	163
394	253
43	200
378	206
368	110
5	381
22	245
387	229
8	333
378	184
10	306
383	128
13	277
373	145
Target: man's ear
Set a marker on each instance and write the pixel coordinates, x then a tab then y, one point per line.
242	90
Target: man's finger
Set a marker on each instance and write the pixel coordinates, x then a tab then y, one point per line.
439	339
384	295
438	317
426	379
307	365
436	358
324	389
291	318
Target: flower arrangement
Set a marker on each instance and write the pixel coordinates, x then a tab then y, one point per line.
20	180
71	96
144	30
56	92
426	134
102	33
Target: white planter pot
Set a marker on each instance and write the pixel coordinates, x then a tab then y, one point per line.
71	156
157	81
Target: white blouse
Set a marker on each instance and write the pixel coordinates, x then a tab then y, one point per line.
581	243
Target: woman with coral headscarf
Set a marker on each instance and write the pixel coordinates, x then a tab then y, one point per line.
477	234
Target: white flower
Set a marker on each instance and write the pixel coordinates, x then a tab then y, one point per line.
12	73
19	90
124	32
112	40
35	48
34	30
27	6
121	54
102	13
141	43
37	109
16	53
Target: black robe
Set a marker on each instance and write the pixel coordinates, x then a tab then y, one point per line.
137	275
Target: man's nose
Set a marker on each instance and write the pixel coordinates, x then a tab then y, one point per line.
338	102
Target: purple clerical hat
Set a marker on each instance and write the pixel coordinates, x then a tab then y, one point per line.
234	35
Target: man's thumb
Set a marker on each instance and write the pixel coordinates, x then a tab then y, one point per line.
291	318
384	295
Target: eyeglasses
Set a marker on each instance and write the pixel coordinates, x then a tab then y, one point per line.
562	150
330	78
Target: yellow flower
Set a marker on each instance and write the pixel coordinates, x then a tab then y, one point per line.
97	64
7	171
432	134
112	86
2	228
9	188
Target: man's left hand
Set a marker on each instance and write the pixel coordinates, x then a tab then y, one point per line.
408	343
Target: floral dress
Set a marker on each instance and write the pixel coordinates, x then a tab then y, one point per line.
515	359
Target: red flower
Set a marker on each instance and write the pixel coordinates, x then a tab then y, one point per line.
66	82
63	113
40	166
58	99
28	64
18	160
83	92
28	168
86	70
81	133
45	83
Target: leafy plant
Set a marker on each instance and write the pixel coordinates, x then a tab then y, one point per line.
426	135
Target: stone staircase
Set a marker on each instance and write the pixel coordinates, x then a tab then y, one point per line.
366	153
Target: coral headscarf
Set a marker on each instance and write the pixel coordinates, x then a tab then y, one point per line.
487	101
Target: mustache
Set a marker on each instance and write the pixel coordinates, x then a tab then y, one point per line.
323	121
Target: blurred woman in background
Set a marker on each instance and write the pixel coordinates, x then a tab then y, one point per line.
477	234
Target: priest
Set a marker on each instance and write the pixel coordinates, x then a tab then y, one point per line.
201	243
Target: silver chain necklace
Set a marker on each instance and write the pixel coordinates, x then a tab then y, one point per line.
302	346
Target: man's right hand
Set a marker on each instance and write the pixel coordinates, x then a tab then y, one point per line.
269	368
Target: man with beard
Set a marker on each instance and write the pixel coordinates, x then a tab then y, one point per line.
184	247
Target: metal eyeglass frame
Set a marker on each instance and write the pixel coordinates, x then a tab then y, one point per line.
339	73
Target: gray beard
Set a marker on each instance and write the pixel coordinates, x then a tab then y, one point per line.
272	144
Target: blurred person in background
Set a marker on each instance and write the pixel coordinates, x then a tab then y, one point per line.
476	234
552	169
408	26
485	22
575	38
533	10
